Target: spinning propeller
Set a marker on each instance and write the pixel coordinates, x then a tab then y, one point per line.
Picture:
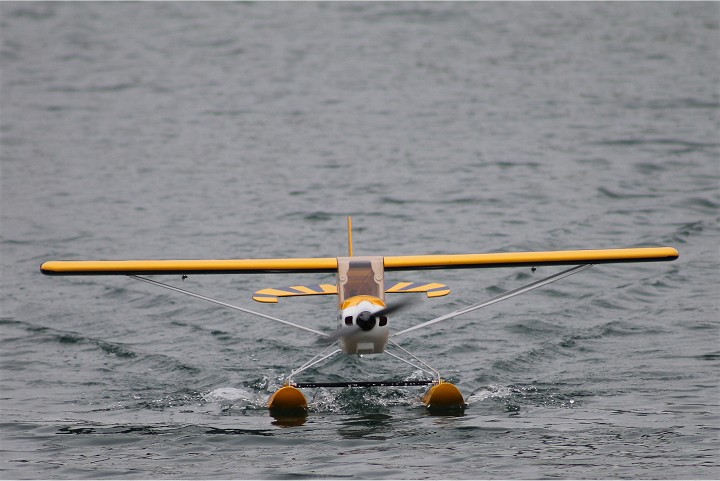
364	321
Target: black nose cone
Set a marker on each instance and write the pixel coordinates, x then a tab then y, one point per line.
365	320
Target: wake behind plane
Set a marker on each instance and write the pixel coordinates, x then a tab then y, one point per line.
364	316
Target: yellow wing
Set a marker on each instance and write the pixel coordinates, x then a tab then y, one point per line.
218	266
519	259
330	264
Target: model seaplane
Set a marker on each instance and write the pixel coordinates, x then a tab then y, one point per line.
364	324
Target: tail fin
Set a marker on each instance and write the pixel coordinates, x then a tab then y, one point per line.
350	242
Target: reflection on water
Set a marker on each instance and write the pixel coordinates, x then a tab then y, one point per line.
289	417
371	426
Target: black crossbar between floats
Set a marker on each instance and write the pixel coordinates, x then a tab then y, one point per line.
362	383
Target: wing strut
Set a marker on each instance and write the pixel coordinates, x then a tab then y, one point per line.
500	297
224	304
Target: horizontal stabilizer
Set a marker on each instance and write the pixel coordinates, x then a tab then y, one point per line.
272	294
432	289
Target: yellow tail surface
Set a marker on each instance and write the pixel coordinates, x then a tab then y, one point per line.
350	243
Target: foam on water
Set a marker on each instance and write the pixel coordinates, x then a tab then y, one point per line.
492	391
229	394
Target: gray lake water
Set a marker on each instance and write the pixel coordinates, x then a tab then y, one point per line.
234	130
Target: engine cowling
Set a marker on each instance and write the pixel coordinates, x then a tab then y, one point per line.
371	333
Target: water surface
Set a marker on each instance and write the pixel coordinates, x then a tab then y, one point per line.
233	130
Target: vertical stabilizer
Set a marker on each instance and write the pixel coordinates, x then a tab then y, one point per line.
350	242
